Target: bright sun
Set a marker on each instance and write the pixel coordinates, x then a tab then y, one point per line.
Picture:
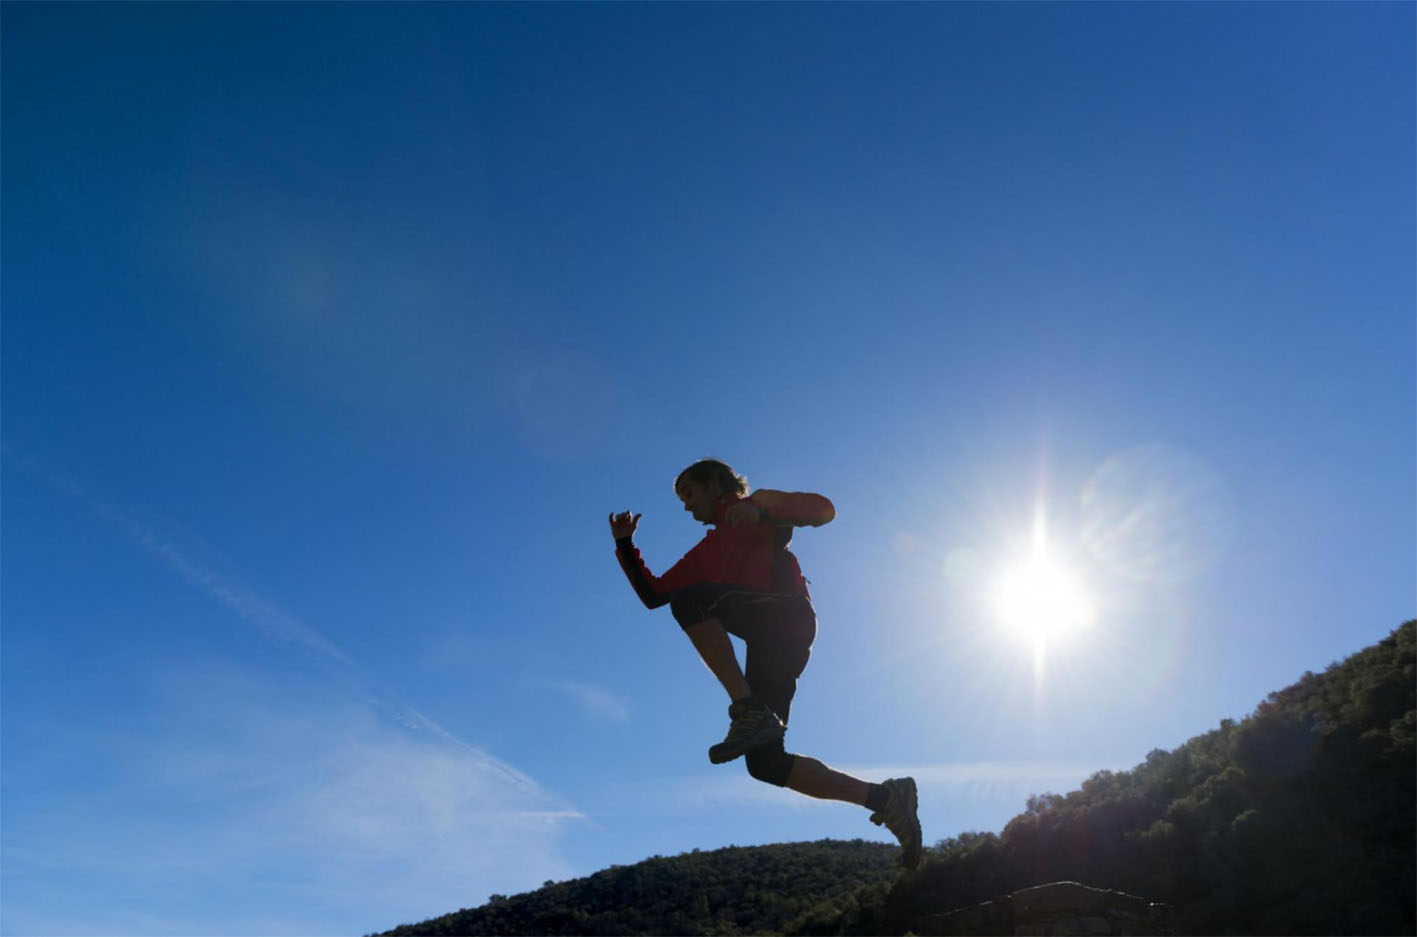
1039	601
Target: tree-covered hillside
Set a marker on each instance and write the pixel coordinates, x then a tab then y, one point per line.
738	890
1298	819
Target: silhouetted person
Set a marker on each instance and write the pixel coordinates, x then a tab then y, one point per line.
742	580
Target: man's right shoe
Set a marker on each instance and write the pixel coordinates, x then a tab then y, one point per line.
900	817
752	726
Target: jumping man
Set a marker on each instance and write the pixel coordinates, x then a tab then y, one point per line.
742	580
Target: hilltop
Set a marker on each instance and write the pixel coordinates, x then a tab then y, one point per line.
737	890
1298	819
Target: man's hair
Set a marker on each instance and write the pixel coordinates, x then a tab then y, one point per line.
706	470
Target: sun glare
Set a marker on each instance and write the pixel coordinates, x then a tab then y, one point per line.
1039	601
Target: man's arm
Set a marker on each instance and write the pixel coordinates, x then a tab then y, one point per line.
792	508
653	590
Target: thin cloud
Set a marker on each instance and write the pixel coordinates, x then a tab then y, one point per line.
275	623
318	798
1009	773
279	627
963	778
597	701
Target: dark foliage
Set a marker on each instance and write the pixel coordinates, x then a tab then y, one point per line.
1298	819
738	890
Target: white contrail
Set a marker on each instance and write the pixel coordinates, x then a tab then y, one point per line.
275	623
283	628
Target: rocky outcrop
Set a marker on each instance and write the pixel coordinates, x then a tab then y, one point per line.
1061	908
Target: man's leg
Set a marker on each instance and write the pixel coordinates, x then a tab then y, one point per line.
699	611
776	658
809	776
892	803
712	643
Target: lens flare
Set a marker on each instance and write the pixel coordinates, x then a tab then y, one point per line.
1156	513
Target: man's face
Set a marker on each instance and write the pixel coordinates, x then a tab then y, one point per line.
699	497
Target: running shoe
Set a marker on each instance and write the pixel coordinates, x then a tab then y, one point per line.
900	817
752	726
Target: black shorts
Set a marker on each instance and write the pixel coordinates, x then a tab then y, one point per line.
778	630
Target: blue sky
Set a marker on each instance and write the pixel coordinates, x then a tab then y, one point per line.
331	334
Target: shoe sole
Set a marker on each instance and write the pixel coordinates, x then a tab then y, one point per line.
910	855
769	733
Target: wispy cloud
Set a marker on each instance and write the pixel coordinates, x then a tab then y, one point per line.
597	701
980	773
266	808
277	624
954	780
326	795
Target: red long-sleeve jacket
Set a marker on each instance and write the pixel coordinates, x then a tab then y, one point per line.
750	555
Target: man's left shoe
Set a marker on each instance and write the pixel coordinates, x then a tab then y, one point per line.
752	726
900	817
